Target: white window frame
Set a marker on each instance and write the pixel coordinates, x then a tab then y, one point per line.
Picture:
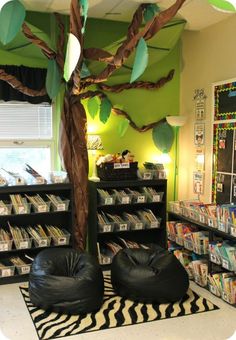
33	143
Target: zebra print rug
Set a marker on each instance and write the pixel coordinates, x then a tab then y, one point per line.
115	312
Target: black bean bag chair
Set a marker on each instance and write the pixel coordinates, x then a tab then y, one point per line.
148	275
66	280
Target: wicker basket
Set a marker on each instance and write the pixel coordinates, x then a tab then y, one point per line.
117	171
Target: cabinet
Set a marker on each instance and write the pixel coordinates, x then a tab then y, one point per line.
133	202
60	216
220	267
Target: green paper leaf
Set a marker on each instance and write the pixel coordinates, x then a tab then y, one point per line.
150	11
12	16
122	127
85	6
163	136
84	72
73	52
140	60
93	106
53	79
105	110
223	5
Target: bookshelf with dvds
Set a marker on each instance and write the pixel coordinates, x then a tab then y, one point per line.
129	213
214	260
28	225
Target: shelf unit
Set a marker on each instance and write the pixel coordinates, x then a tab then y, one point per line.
213	234
62	219
144	236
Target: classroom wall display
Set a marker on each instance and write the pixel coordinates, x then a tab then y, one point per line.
199	103
225	101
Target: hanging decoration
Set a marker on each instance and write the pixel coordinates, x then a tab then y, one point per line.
224	5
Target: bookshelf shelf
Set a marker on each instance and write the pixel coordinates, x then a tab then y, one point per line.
139	232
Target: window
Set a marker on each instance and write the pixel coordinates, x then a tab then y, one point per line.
26	137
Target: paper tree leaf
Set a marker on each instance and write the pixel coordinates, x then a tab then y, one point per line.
223	5
93	106
84	72
163	137
105	110
84	5
140	60
150	11
73	52
122	127
12	16
53	79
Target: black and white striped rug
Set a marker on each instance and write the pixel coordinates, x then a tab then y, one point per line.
115	312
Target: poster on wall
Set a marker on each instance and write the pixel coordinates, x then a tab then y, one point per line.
200	104
225	101
198	182
199	134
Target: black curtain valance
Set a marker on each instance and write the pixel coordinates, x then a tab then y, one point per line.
32	77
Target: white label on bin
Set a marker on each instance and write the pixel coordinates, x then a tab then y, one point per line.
202	218
42	208
226	297
233	231
57	179
61	207
154	224
25	269
147	175
106	260
23	244
125	200
213	290
225	264
62	240
213	258
6	272
21	209
221	226
139	225
3	211
123	226
109	200
156	198
141	199
42	243
39	180
121	165
4	246
107	228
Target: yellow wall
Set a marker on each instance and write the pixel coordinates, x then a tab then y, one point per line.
208	57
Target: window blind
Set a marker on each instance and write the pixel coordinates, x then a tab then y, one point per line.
25	121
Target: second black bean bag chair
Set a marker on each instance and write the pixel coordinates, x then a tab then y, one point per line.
148	275
66	280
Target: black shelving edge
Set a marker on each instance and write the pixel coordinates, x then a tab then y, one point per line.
138	205
130	183
35	187
14	279
203	226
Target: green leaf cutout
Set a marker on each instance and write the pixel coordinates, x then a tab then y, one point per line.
223	5
93	106
105	110
163	136
73	52
122	127
12	16
84	72
140	60
85	6
150	11
53	79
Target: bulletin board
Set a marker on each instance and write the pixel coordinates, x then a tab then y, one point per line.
224	144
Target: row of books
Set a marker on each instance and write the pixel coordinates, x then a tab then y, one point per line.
222	217
128	196
107	250
15	265
140	219
188	236
223	285
22	204
223	253
22	237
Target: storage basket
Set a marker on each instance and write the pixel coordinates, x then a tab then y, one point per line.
117	171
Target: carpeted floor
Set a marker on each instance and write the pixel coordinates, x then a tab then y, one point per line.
115	312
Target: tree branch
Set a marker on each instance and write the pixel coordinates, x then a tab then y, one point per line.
60	42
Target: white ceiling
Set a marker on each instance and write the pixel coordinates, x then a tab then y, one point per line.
199	14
